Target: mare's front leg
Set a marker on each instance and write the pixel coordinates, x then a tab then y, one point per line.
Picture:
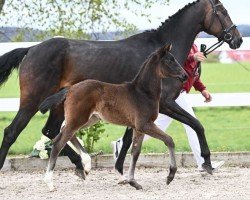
136	150
172	109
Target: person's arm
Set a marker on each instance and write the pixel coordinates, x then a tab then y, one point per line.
198	85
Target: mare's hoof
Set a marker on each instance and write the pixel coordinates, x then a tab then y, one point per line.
135	185
80	173
169	179
208	168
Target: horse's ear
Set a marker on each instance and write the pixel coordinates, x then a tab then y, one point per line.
168	47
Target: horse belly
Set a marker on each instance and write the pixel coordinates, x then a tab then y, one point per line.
117	117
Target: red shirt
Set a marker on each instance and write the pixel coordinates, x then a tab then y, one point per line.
190	67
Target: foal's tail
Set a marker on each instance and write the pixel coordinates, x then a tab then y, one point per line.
10	61
53	100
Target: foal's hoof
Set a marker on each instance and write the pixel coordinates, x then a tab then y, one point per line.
172	171
169	179
80	173
135	185
208	168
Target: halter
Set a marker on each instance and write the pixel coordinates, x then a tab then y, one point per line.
225	36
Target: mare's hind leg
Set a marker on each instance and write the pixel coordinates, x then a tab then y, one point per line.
136	150
52	129
11	133
152	130
127	141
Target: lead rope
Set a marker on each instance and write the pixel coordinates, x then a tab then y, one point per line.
213	47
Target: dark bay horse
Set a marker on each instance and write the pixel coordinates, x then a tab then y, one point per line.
134	104
59	63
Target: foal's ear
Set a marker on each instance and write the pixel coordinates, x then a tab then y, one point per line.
168	47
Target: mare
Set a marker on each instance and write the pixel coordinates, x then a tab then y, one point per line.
134	104
58	63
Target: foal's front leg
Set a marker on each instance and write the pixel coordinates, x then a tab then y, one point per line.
136	150
152	130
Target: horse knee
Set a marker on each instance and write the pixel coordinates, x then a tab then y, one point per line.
200	129
51	134
170	142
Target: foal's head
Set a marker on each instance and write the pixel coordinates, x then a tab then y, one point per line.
168	65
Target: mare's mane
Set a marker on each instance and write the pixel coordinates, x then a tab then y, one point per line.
174	16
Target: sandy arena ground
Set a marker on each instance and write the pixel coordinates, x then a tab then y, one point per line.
228	183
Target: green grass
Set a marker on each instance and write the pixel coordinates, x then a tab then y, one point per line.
227	129
223	78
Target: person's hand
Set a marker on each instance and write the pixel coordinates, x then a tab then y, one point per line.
199	56
207	96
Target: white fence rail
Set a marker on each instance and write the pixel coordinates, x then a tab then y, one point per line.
196	100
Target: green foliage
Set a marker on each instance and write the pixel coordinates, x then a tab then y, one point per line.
75	18
91	135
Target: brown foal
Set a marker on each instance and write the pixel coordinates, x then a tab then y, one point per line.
134	104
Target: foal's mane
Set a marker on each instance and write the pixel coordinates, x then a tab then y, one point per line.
174	16
151	59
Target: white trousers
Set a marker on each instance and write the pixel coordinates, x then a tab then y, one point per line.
163	122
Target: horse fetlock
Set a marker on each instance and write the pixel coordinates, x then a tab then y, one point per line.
48	180
122	179
86	161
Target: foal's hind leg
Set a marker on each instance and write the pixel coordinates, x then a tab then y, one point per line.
152	130
52	129
75	121
136	149
59	142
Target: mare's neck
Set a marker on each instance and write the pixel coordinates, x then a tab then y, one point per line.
181	30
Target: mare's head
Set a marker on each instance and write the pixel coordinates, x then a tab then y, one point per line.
168	65
217	22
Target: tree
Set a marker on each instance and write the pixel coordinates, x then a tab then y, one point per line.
75	18
1	4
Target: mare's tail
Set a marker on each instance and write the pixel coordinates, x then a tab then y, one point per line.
10	61
53	100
